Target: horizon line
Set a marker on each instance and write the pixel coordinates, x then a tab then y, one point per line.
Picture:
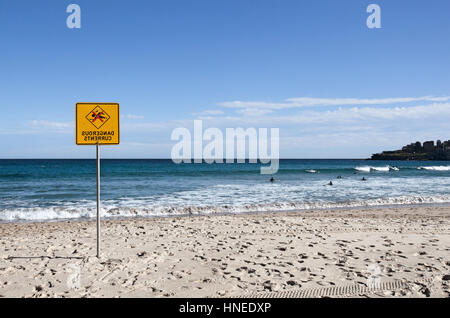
224	159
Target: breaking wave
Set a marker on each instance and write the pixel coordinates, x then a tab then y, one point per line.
435	168
111	211
381	169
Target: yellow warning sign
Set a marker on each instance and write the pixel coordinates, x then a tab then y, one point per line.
97	123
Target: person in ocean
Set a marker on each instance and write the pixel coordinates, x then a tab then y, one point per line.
272	179
329	184
363	179
339	177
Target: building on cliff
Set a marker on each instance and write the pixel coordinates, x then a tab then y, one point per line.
418	151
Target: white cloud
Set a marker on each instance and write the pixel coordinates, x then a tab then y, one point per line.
354	119
131	116
308	102
44	124
340	116
153	127
352	131
435	112
347	132
211	112
254	111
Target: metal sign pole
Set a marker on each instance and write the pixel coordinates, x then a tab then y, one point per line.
98	200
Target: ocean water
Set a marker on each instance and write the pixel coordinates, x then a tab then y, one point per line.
66	189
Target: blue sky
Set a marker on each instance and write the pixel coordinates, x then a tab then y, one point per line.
334	88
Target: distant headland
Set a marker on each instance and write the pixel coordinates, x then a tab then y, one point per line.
417	151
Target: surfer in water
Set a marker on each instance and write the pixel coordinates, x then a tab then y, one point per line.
329	184
363	179
272	179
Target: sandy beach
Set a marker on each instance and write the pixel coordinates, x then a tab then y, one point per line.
382	252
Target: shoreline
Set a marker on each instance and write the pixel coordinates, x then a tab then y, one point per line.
232	255
268	212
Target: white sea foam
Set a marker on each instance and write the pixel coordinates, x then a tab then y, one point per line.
238	196
111	210
363	169
312	171
385	169
435	168
381	169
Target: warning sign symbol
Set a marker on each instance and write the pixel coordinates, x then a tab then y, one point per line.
97	123
97	117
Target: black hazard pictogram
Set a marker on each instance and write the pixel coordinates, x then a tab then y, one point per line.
97	117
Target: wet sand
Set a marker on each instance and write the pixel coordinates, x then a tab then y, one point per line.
383	252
